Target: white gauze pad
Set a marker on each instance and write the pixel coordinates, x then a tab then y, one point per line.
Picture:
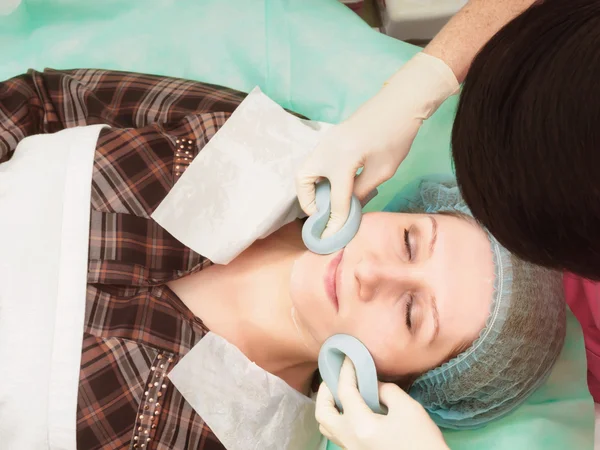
245	406
240	187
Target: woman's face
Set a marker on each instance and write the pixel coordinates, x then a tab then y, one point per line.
413	288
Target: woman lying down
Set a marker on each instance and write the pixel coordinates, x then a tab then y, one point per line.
446	312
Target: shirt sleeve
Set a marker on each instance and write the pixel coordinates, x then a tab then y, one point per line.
49	101
24	111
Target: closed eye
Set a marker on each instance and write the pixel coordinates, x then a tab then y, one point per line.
407	243
409	305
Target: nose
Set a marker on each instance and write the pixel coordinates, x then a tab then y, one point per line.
375	276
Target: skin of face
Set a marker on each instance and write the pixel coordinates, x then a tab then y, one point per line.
413	288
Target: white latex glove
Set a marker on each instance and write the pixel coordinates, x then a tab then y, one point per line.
377	137
406	426
8	6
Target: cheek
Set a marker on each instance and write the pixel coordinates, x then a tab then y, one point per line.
302	278
382	332
395	351
373	229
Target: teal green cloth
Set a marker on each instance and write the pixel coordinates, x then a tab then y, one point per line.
315	57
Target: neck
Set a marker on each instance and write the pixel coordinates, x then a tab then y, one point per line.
247	302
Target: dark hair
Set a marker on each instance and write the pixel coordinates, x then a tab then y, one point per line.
526	138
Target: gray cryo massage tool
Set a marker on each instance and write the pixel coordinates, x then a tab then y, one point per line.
336	348
331	358
315	225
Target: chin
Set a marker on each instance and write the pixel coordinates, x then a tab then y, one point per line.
306	291
296	280
302	277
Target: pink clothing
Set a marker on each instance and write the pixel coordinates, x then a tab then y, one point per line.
583	297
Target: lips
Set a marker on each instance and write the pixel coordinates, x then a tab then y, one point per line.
332	279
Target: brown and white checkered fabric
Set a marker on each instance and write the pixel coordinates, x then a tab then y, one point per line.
135	328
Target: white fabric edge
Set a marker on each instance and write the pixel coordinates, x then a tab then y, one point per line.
72	282
198	379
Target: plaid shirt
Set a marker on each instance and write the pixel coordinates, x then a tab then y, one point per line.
136	329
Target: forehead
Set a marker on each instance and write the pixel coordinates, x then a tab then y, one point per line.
463	275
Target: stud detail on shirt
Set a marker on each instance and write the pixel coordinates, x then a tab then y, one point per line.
183	156
150	407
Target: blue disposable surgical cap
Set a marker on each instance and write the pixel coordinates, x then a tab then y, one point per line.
522	338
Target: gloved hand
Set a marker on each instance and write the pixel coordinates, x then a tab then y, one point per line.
406	425
377	137
8	6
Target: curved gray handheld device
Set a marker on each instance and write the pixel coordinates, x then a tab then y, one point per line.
315	225
331	358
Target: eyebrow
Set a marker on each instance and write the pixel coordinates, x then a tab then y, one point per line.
436	319
434	226
433	302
